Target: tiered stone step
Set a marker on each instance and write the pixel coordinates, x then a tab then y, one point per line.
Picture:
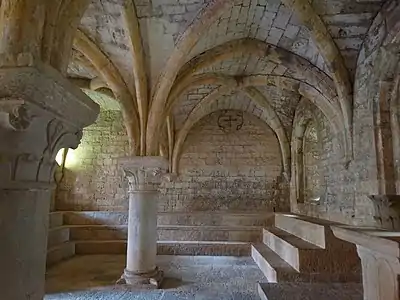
310	291
299	249
205	248
59	246
173	218
169	233
197	233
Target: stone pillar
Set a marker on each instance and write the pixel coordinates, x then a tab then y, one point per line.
379	272
144	175
40	113
379	260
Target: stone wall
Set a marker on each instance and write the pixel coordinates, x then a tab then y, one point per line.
235	170
323	169
92	179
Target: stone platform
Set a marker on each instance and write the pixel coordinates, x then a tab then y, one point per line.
179	233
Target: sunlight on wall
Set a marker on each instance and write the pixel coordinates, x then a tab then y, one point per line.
71	160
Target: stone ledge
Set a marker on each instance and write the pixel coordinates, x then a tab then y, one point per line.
168	248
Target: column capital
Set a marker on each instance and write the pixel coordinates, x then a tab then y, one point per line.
40	113
144	173
387	210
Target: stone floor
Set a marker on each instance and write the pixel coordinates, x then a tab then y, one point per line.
187	277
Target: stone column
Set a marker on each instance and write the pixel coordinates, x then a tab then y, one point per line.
40	113
379	272
144	175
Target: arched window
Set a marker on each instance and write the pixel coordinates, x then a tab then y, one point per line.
312	163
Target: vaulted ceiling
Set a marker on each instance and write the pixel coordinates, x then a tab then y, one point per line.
173	54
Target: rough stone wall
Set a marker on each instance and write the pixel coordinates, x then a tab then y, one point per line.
377	62
239	170
93	181
337	192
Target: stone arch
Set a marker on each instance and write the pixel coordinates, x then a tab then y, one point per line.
309	80
301	68
60	29
207	16
328	107
326	104
376	95
210	103
330	52
139	69
114	80
21	32
304	118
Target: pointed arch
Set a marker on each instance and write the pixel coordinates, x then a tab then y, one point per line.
332	57
139	69
204	19
203	108
114	80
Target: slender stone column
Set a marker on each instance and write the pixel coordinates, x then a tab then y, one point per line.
144	175
40	113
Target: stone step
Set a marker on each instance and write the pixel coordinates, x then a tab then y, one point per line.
60	252
170	233
173	218
311	232
276	269
216	219
55	219
273	267
57	236
299	254
167	248
310	291
339	257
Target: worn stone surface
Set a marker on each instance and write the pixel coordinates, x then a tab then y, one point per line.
236	170
186	278
310	291
379	254
323	75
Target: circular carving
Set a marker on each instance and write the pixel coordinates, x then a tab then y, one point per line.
230	120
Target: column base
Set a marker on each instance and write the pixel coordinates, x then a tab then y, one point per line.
150	280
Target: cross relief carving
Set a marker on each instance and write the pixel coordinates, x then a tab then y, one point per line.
230	120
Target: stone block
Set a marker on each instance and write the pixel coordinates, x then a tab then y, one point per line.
59	253
57	236
56	219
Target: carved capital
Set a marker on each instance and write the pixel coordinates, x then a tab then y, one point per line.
387	210
14	114
40	113
144	173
